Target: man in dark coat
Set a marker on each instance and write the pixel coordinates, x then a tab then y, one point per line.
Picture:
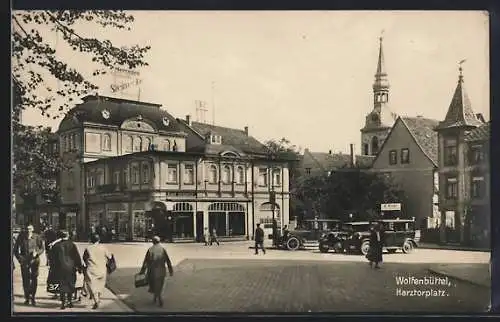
154	262
66	262
259	240
27	249
376	246
49	236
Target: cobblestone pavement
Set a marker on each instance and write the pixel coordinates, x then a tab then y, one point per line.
260	285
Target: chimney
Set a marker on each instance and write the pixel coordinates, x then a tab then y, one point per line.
480	117
246	130
353	157
188	119
330	152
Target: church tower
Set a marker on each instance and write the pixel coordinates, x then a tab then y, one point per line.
380	120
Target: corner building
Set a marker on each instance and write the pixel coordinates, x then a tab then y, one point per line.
137	167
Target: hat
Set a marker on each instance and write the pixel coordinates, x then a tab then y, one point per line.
156	239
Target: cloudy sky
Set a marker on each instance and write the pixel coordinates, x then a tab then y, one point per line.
306	76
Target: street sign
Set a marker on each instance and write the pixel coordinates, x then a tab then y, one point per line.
390	207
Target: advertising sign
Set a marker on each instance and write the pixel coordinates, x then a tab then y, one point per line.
390	207
126	84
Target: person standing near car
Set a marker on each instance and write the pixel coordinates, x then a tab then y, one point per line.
27	249
259	240
376	246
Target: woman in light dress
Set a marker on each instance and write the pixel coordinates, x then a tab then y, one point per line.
95	258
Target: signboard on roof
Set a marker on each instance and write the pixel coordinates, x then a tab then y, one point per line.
126	84
390	207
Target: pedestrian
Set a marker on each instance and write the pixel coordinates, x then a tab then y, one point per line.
95	257
285	232
67	262
52	282
92	231
374	255
259	240
49	236
154	267
213	237
104	234
206	236
27	250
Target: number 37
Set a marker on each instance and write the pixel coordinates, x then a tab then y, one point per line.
53	287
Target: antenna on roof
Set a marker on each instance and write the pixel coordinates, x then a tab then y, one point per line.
201	109
213	103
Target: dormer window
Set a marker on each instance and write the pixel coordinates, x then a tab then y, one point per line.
215	139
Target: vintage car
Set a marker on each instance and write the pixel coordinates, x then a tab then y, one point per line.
309	232
399	235
346	239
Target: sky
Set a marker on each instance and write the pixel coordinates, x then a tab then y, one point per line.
303	75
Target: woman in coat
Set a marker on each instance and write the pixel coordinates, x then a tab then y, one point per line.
376	246
66	260
95	257
154	267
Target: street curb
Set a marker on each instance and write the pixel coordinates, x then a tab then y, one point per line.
120	301
463	249
442	274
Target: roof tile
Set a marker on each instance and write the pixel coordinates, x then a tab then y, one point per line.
422	130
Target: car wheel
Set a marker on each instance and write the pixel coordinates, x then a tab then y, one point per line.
293	243
337	247
391	251
365	247
407	247
323	248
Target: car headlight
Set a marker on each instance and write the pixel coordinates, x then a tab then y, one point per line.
323	235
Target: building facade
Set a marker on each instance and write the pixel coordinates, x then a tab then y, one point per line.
463	170
136	166
380	120
409	156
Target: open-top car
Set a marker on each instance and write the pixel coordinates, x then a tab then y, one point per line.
309	232
349	238
400	234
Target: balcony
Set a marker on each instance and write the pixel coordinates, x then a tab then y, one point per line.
108	188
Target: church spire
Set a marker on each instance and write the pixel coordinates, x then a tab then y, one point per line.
381	84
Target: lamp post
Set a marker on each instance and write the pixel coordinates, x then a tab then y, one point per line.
272	200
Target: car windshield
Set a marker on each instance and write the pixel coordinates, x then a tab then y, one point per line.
322	225
356	227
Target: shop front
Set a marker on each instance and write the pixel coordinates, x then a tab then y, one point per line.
118	218
142	221
182	219
227	218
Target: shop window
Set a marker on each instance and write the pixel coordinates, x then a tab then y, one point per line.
188	173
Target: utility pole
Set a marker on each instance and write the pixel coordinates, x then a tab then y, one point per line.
213	103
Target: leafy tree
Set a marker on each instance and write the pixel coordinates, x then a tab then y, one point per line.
34	61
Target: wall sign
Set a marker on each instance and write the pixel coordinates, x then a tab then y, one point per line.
390	207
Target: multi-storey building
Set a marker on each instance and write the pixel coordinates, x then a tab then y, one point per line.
136	165
463	139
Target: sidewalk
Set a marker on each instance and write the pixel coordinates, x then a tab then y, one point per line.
477	274
452	247
45	303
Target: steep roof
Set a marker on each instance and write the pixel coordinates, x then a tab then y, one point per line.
231	138
460	113
329	161
119	111
481	133
422	129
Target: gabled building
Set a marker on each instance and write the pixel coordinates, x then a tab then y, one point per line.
409	156
319	163
459	179
138	168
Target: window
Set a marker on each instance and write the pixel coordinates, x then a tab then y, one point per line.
212	174
100	177
476	154
308	171
188	173
451	188
127	143
405	156
277	177
263	177
215	139
116	177
436	181
166	145
374	145
106	142
172	173
240	175
146	144
137	144
145	173
71	179
450	152
126	178
365	149
174	148
135	174
393	157
226	174
90	180
477	187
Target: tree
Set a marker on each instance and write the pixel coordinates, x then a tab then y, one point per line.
350	191
34	61
284	149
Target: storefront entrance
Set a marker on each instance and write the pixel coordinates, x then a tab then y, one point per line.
182	215
228	218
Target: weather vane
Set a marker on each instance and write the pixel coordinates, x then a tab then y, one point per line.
460	65
382	34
